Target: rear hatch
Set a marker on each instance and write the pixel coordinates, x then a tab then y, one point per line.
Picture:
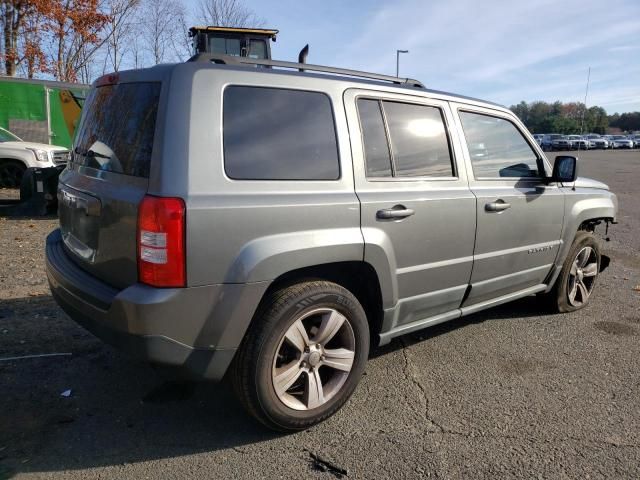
107	178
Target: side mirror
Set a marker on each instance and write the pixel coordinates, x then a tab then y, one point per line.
565	169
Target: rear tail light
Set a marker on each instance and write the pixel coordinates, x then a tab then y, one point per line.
161	243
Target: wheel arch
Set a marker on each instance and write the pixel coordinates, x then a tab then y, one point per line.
359	277
582	215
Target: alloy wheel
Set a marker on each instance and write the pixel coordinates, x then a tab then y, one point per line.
313	359
582	276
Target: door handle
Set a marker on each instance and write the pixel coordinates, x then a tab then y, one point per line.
397	212
497	206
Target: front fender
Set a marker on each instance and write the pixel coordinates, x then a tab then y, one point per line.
24	156
266	258
604	206
582	205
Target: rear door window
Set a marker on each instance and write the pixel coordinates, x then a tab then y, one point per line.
404	139
117	128
374	138
279	134
418	140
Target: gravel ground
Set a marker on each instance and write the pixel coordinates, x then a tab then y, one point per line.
509	392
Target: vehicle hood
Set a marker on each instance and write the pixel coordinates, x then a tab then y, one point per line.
583	182
38	146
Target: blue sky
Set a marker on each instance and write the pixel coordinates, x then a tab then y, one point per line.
503	51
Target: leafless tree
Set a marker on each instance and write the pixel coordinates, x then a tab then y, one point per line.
182	42
161	28
119	31
227	13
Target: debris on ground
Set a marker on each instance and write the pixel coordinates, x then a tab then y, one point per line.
324	465
41	355
66	393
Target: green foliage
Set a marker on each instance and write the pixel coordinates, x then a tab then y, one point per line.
627	121
572	117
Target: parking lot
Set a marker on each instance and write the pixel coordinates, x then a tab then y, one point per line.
512	391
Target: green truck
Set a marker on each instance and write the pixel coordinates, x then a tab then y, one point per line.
41	111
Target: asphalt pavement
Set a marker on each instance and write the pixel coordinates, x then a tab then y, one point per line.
509	392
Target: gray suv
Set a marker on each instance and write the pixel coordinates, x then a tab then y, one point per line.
233	217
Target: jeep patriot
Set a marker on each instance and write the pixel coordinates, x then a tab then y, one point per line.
272	221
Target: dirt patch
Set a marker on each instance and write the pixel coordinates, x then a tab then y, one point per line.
628	259
522	366
615	328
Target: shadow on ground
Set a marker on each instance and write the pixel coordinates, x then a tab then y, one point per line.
121	411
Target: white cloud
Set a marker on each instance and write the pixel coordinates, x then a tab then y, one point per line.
511	50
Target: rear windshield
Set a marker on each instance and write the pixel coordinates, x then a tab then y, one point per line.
117	128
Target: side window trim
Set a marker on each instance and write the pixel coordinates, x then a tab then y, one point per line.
388	138
539	161
394	178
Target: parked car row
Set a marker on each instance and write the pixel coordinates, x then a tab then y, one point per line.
556	141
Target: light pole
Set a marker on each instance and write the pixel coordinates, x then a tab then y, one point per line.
398	52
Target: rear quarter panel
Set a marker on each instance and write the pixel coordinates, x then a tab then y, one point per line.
241	231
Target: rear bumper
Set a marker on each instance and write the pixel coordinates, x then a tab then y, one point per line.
195	330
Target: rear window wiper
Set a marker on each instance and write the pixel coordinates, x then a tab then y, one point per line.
90	153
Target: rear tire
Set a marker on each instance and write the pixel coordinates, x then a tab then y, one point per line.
578	276
11	172
303	355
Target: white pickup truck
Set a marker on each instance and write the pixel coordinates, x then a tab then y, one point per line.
16	156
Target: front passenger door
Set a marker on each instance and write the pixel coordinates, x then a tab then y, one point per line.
519	215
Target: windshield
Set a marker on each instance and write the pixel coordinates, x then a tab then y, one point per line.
7	136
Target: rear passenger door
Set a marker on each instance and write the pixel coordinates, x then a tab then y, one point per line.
519	215
416	208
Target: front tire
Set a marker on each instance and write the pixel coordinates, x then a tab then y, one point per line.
11	173
578	276
303	355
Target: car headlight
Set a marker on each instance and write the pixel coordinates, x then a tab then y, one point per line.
41	155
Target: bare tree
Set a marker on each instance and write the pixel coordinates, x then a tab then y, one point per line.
160	27
182	42
227	13
119	31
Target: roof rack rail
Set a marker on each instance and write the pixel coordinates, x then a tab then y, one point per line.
229	60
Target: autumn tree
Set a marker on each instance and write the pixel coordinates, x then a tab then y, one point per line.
73	28
14	15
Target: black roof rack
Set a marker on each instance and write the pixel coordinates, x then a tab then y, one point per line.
229	60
